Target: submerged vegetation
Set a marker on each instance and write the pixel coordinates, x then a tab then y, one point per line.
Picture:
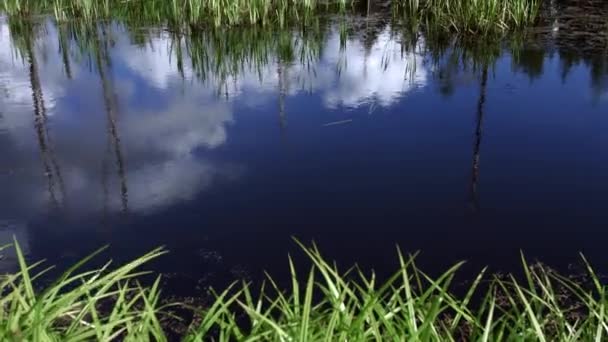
323	304
465	16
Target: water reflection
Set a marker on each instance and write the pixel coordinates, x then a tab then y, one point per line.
8	231
110	100
478	134
154	93
175	130
579	34
47	152
160	141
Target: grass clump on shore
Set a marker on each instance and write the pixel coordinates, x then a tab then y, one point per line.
189	12
463	16
325	304
70	309
472	17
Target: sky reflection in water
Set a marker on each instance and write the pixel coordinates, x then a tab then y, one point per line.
361	147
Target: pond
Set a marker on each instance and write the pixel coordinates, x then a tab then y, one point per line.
224	145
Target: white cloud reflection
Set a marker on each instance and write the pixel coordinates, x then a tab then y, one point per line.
157	186
180	128
164	122
379	74
349	77
156	145
15	88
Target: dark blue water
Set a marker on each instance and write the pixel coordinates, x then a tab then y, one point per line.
360	148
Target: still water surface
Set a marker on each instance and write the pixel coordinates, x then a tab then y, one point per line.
357	143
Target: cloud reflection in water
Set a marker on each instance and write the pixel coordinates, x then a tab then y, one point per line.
162	122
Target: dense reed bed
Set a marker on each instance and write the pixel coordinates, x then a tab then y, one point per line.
189	12
464	16
323	303
472	17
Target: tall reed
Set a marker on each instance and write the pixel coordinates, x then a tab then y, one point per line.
473	16
463	16
189	12
70	308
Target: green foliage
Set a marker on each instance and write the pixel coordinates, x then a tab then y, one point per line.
462	16
185	12
329	305
322	304
69	308
477	17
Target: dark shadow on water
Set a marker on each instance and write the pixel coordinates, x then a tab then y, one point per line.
111	107
474	196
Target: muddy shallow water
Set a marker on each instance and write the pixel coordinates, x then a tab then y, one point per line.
224	146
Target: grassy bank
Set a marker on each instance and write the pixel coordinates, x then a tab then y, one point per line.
463	16
322	304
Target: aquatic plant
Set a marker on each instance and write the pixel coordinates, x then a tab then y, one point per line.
185	12
477	17
330	305
99	304
323	304
463	16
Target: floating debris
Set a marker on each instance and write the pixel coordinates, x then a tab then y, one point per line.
338	122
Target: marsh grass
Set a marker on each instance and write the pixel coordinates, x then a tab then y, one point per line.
323	303
471	17
330	305
102	304
188	12
478	17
